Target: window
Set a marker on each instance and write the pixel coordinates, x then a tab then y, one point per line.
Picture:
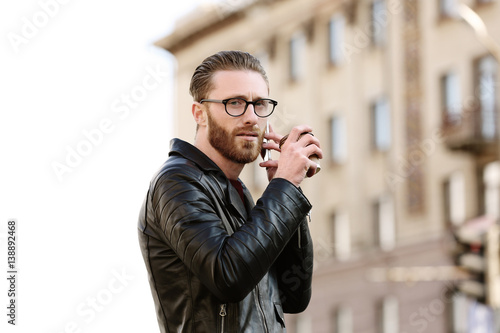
338	142
389	320
479	318
448	8
491	178
379	22
381	119
460	313
341	236
336	42
297	55
385	222
487	69
343	320
450	98
454	197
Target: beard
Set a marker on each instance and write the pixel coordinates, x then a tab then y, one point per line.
225	142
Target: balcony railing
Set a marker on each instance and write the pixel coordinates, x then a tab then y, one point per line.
472	131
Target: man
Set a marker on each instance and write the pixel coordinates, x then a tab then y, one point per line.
217	262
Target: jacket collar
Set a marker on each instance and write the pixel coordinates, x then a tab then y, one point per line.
190	152
234	198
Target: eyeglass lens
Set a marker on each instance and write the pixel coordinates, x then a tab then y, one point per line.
237	106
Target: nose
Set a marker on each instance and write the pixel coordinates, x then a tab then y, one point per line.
250	117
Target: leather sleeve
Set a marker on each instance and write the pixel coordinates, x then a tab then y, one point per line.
229	265
294	269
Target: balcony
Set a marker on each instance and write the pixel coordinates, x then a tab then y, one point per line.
472	131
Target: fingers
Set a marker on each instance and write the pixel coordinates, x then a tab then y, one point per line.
271	145
272	135
269	164
296	132
272	140
296	135
306	140
312	147
299	155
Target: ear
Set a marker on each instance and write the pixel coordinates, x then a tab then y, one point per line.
199	113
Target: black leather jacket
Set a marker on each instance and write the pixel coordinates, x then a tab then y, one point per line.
215	265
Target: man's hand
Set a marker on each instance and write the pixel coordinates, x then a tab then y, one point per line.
294	163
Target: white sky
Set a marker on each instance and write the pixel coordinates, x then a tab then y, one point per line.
77	229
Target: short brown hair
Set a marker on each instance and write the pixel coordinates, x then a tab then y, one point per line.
201	81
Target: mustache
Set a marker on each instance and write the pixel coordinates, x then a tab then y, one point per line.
254	128
249	129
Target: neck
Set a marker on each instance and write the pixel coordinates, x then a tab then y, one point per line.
231	169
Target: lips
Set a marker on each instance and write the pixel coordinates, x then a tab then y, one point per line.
251	134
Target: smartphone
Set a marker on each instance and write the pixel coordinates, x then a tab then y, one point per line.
267	152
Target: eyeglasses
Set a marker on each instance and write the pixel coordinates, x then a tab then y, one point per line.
235	107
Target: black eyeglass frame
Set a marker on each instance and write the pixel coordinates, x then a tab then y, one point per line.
224	101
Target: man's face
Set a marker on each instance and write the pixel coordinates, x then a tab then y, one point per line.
238	139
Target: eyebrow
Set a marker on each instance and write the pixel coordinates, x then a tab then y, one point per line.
245	98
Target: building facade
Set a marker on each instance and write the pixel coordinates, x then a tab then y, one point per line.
403	95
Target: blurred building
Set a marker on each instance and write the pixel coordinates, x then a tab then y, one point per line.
404	97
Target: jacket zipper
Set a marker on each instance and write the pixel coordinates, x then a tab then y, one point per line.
223	314
298	236
260	308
